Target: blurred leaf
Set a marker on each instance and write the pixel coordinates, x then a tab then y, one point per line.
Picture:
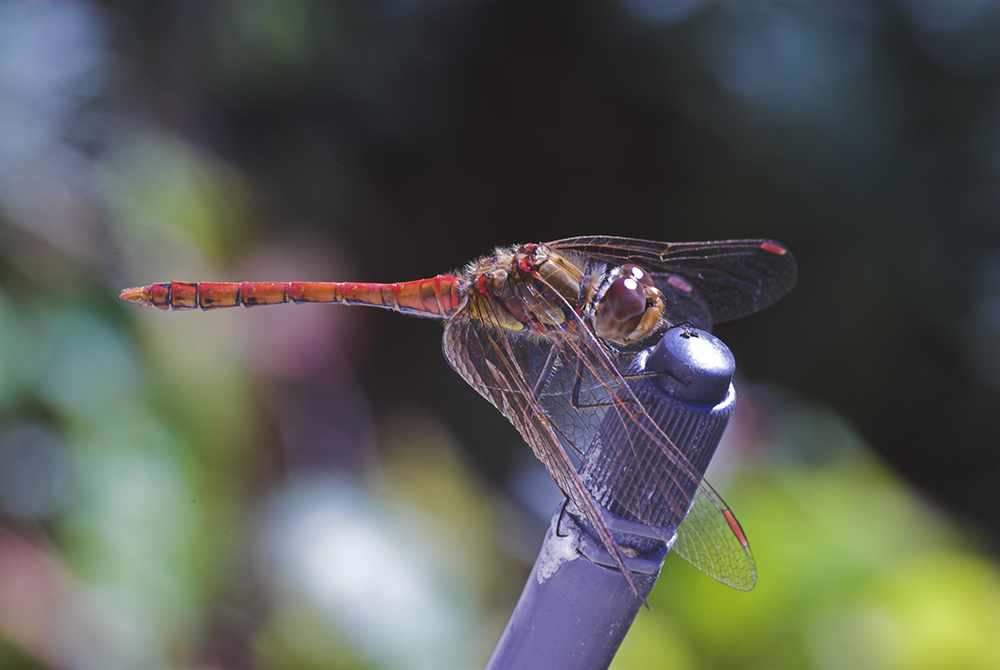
164	191
852	570
654	642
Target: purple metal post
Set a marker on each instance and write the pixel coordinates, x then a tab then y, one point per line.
577	607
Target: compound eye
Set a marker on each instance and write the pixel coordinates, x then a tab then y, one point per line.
620	309
625	298
637	273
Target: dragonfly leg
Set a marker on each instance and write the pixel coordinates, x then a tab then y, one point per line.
550	362
562	513
575	397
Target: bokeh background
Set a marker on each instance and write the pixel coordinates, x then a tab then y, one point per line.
313	487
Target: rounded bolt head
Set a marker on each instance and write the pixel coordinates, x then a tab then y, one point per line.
692	365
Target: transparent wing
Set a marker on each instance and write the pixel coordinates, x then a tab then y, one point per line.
712	540
703	283
557	386
483	357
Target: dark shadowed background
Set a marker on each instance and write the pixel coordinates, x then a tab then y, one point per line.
314	487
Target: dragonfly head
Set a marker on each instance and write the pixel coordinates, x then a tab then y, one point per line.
628	305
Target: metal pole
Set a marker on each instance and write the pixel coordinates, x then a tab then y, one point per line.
576	608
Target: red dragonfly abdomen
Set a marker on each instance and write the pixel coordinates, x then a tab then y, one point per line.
441	297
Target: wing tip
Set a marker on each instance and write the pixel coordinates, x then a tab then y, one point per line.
774	247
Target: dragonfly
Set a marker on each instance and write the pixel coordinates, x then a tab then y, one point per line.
546	331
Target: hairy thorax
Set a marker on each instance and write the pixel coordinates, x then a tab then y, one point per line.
528	287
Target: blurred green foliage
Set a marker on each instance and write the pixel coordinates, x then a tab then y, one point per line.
855	572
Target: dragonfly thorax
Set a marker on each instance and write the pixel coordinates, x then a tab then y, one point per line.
529	287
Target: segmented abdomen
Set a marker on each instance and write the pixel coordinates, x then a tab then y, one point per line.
440	297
